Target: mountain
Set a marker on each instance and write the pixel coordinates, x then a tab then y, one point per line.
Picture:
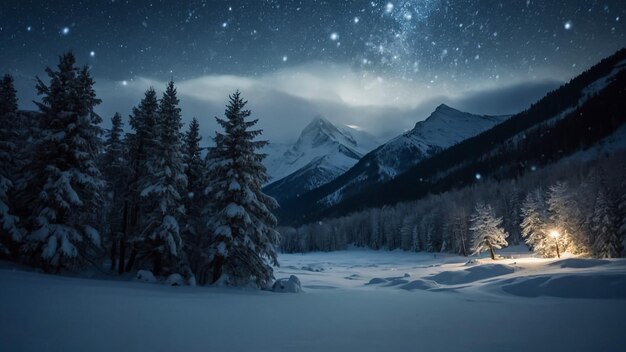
322	152
444	127
567	120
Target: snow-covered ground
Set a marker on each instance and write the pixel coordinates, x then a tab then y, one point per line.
355	300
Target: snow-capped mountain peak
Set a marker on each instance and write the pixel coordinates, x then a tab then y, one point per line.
322	152
321	131
447	126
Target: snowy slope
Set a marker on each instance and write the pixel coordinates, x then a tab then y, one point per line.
321	153
517	304
443	128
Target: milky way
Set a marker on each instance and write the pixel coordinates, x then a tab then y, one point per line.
442	46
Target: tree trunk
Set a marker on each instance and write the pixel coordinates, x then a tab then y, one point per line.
217	268
131	260
493	255
122	259
157	265
113	252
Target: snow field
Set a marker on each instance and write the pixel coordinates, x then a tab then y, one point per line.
422	302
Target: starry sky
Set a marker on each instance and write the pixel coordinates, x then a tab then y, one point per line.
380	65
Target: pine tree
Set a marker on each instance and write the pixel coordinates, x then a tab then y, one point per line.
139	144
621	214
244	239
534	224
194	201
607	243
486	230
162	188
114	170
566	217
10	234
67	174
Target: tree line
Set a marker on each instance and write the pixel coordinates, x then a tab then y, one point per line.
578	205
72	194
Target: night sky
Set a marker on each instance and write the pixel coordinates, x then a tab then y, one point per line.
375	64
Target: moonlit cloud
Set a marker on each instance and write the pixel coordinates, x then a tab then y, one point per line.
318	83
286	100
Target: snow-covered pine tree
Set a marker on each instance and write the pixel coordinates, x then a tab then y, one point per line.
10	234
487	234
567	219
534	224
114	167
162	187
67	175
192	153
621	215
459	230
244	239
195	246
607	243
139	145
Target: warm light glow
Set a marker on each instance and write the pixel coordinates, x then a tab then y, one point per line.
554	234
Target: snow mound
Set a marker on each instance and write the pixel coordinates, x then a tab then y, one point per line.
290	285
376	281
472	262
472	274
579	263
313	268
146	276
175	280
420	285
606	286
396	282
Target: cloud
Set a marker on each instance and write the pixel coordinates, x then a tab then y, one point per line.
286	100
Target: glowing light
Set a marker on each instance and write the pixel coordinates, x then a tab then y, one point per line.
92	53
356	20
124	82
65	30
554	234
284	58
334	36
478	176
389	7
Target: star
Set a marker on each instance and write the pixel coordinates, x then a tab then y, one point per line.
92	53
65	30
334	36
568	25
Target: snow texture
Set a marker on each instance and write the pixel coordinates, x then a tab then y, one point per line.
539	306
